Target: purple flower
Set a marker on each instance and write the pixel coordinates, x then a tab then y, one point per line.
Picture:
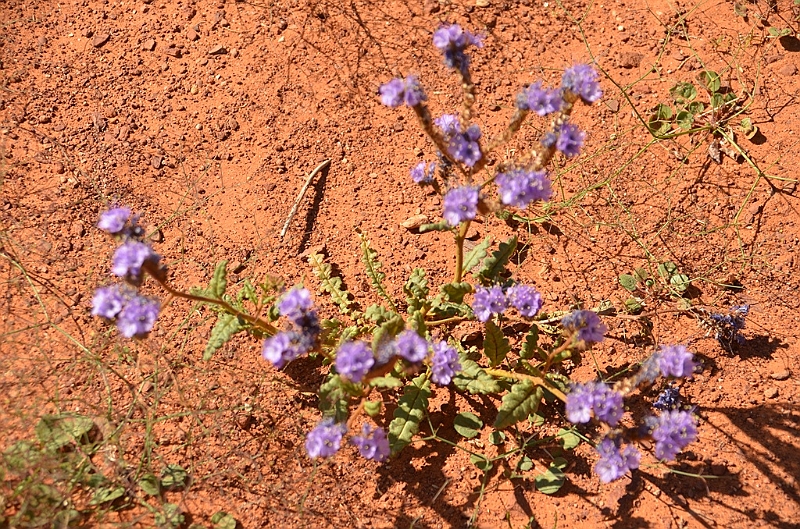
444	364
526	299
325	439
520	187
449	125
675	361
669	399
113	221
138	316
411	346
398	92
549	140
674	432
489	301
615	463
586	324
295	304
285	347
421	175
108	301
581	80
464	147
460	204
540	100
570	139
583	399
129	258
354	360
452	41
372	443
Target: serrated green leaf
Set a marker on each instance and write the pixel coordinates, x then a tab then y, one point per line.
551	481
569	439
387	381
378	314
482	462
106	494
467	424
373	268
521	401
473	378
372	407
174	477
330	283
495	344
223	520
247	292
333	398
149	484
226	327
531	345
495	263
476	255
219	283
436	226
416	321
411	409
455	292
57	431
416	290
628	282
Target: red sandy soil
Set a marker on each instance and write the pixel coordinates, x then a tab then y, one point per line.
206	117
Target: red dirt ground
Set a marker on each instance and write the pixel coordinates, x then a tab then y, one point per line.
205	117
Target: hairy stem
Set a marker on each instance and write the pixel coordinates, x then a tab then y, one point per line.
462	233
537	378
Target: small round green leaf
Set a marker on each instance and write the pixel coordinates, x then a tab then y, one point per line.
628	282
551	481
525	464
569	439
223	520
497	438
481	462
710	80
173	477
467	424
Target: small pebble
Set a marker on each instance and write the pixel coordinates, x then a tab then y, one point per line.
100	39
780	375
770	393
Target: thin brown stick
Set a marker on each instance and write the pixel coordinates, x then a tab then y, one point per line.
299	198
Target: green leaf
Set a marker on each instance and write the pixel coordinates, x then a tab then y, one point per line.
455	292
436	226
387	381
173	477
333	398
57	431
685	120
330	283
683	93
373	267
531	345
106	494
495	345
387	331
473	378
667	269
494	265
226	327
481	461
525	464
551	481
223	520
372	407
633	305
695	107
659	120
710	80
219	283
22	455
149	484
521	401
741	11
569	439
779	32
717	100
378	314
497	438
247	292
476	255
171	516
680	282
628	282
467	424
411	409
416	290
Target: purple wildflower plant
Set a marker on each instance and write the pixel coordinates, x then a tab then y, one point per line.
464	146
398	92
422	173
452	40
675	361
675	430
109	301
138	316
295	304
448	124
286	346
445	363
525	298
570	140
583	399
586	325
543	101
615	461
488	302
668	399
411	346
325	439
372	443
354	360
581	80
114	220
519	187
460	204
128	260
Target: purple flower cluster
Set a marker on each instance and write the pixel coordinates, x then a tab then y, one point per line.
727	327
675	361
398	92
452	40
615	461
543	101
325	439
585	325
134	314
444	364
354	360
583	399
114	221
669	399
570	140
372	443
297	307
674	431
129	258
411	346
519	187
460	204
494	301
581	80
463	146
422	173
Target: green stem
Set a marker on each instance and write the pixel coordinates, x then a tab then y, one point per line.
558	350
453	319
537	378
462	234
